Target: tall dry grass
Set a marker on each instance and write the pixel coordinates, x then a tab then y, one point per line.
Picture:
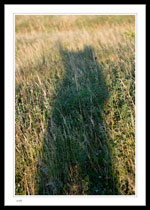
56	74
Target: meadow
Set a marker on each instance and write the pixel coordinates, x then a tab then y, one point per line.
74	105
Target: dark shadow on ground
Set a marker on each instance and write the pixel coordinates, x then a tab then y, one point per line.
76	152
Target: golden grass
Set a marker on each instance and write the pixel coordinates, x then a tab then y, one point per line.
39	66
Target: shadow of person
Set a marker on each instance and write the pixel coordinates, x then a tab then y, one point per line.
76	151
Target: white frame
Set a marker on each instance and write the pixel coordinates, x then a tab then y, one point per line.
10	197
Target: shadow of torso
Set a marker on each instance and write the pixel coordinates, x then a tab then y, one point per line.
76	145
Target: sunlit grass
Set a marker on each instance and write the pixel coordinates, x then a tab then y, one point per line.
74	114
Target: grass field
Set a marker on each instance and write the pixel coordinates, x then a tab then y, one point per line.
74	105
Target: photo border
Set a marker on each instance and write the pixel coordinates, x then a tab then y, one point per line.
34	199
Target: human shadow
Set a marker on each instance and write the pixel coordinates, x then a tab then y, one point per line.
76	151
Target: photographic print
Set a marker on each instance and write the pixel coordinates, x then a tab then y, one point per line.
74	104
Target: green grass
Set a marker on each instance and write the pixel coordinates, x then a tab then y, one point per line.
74	114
